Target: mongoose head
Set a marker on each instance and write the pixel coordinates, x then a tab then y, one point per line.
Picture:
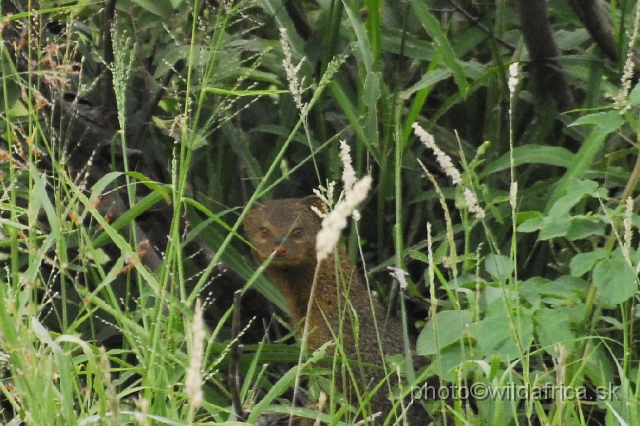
287	228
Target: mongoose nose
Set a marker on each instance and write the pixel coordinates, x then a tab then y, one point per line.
281	251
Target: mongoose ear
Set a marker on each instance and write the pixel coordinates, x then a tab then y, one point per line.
314	201
256	205
250	214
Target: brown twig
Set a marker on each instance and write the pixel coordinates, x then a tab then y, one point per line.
235	352
109	101
151	105
147	110
475	21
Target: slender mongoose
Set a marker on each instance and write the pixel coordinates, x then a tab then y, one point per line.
343	306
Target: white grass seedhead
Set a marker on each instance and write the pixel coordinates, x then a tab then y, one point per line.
399	274
513	195
193	381
348	174
628	228
334	222
472	203
295	86
627	75
443	159
513	77
141	415
326	195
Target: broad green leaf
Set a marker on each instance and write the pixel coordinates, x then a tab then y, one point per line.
634	96
136	210
443	329
495	336
522	217
605	121
164	190
554	228
599	367
564	290
373	25
394	42
370	99
468	40
364	51
98	256
582	263
417	103
282	20
532	154
147	20
576	190
495	295
441	252
568	40
349	110
427	80
583	228
465	281
42	197
162	8
99	187
581	163
432	26
448	363
553	326
499	267
418	255
532	225
615	280
371	90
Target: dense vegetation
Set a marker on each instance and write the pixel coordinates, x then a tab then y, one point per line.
135	134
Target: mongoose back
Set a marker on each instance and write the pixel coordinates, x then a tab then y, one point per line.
288	228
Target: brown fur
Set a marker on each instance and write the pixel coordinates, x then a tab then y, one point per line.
289	228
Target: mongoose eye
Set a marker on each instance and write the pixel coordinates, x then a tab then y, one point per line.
264	232
297	232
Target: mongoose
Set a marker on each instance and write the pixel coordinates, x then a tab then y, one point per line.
289	227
